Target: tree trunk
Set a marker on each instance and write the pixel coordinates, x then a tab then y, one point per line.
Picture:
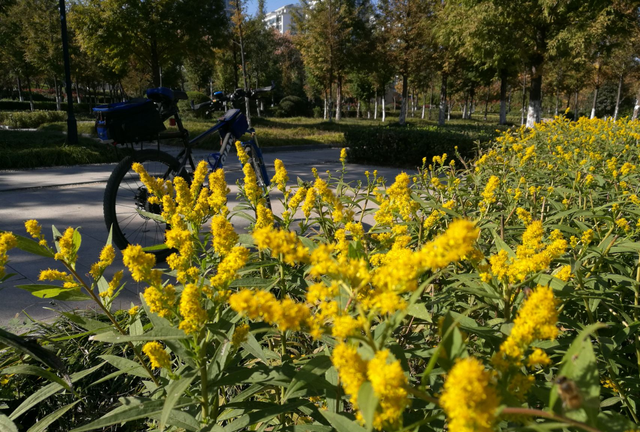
430	100
424	103
443	100
403	106
524	100
557	104
575	115
55	85
636	109
20	98
155	64
486	102
358	109
617	108
534	114
464	107
509	103
30	95
595	101
384	109
339	99
375	106
326	106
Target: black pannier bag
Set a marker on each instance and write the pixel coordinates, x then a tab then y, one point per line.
127	122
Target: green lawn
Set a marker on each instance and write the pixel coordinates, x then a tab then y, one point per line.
23	149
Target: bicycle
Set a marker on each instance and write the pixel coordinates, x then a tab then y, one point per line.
127	211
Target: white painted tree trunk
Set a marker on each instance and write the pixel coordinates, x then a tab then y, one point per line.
326	106
384	109
375	106
616	111
595	102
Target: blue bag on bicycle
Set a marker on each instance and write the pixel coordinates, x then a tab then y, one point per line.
131	121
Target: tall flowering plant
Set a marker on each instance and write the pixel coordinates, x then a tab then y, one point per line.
478	295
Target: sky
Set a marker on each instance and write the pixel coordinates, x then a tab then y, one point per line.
271	5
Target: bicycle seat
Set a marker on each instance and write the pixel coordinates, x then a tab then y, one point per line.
165	95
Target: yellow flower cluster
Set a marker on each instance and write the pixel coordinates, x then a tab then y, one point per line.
242	155
536	319
281	177
388	382
251	188
283	244
68	252
286	313
229	267
398	200
469	398
193	314
35	230
531	257
224	236
7	241
107	255
158	357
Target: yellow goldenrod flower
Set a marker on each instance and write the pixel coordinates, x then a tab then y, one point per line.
55	275
218	192
240	334
107	255
352	369
469	398
160	299
281	177
191	310
67	253
309	202
343	155
35	230
133	310
242	155
251	189
158	357
284	244
224	236
388	381
536	319
139	263
229	266
264	217
538	358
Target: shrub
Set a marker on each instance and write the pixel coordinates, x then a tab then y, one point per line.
185	105
292	106
318	112
404	147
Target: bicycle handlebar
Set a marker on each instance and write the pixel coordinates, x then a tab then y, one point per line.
239	93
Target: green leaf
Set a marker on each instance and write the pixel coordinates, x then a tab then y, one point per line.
86	323
314	369
7	425
48	391
175	390
181	420
34	350
419	310
42	425
164	333
254	348
25	369
32	247
341	423
263	415
614	422
367	402
125	365
130	412
579	365
55	292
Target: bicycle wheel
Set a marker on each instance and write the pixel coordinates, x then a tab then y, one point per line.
126	202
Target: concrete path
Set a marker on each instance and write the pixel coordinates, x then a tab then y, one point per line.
72	196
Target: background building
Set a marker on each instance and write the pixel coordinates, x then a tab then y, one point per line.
282	18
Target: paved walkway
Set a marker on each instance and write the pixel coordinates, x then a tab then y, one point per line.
72	196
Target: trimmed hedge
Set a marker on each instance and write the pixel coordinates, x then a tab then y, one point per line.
9	105
405	147
29	119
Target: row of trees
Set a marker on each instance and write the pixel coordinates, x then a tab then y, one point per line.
342	48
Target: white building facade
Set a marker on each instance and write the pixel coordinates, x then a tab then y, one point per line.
282	19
